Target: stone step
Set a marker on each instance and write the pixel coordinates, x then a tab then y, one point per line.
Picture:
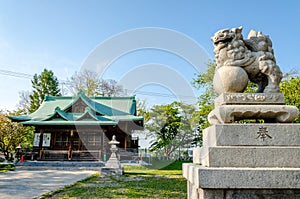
252	135
74	164
242	178
36	168
238	156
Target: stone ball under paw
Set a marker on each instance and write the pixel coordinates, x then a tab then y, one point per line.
230	79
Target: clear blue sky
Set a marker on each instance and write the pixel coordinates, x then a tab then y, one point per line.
59	35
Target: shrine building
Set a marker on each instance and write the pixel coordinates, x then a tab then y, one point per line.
80	127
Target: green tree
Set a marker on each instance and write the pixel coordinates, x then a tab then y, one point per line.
142	110
12	134
164	124
173	126
290	88
204	82
187	136
44	84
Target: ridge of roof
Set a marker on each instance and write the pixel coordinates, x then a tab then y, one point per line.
51	98
61	113
94	105
19	117
89	112
81	96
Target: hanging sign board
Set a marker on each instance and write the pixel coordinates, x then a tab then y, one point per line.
46	139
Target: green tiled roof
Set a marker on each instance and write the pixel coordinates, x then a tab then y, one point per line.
58	110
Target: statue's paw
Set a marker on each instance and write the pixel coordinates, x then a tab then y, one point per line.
272	89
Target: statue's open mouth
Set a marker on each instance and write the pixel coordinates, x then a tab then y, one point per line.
224	41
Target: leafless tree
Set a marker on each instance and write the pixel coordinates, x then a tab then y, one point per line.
24	104
110	88
92	85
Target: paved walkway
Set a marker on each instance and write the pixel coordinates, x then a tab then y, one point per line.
24	183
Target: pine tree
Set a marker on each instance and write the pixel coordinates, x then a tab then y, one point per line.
44	84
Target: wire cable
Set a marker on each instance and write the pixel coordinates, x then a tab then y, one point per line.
67	82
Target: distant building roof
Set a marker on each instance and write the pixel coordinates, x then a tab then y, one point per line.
82	110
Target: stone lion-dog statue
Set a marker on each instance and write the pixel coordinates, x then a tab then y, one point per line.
254	55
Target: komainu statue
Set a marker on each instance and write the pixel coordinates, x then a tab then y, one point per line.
254	55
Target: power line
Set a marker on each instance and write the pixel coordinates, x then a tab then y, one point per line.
67	82
25	75
161	94
15	74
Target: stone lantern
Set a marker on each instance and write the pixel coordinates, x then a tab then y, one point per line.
113	166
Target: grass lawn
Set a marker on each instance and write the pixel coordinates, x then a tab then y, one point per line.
137	182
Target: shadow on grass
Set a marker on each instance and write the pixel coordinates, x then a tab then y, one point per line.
126	173
167	164
157	167
177	165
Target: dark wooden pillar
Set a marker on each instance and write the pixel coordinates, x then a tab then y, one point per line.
125	143
102	144
79	143
41	144
71	143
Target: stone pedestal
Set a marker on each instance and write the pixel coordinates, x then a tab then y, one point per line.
247	160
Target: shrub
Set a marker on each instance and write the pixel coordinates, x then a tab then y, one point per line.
7	166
